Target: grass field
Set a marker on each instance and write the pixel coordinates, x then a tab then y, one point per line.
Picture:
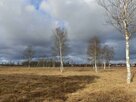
74	85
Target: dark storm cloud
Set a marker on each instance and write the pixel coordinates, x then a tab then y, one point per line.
23	24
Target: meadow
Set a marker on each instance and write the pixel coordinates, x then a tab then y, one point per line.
73	85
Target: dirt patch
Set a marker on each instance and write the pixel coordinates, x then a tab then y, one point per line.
34	88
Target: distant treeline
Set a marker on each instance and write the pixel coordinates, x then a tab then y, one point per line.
52	63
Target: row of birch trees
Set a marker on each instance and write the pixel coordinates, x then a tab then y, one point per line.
98	53
121	14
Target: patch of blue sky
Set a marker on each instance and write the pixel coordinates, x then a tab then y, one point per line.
36	3
46	12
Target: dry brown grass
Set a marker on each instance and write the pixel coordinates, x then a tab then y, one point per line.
74	85
26	88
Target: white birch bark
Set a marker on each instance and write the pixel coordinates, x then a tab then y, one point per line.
61	57
128	61
104	65
109	66
96	69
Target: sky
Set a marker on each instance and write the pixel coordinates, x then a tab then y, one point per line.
31	22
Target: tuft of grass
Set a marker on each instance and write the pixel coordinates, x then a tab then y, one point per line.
116	95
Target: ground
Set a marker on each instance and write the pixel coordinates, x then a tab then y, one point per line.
73	85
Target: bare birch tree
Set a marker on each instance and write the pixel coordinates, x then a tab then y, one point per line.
107	54
28	54
122	15
60	47
93	51
103	55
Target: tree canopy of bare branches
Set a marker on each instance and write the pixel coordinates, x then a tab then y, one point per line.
107	54
60	47
93	50
29	54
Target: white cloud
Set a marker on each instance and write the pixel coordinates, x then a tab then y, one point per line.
68	2
30	8
1	4
20	27
44	6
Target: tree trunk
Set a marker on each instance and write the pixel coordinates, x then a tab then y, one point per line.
61	66
128	61
104	65
61	60
96	70
109	66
